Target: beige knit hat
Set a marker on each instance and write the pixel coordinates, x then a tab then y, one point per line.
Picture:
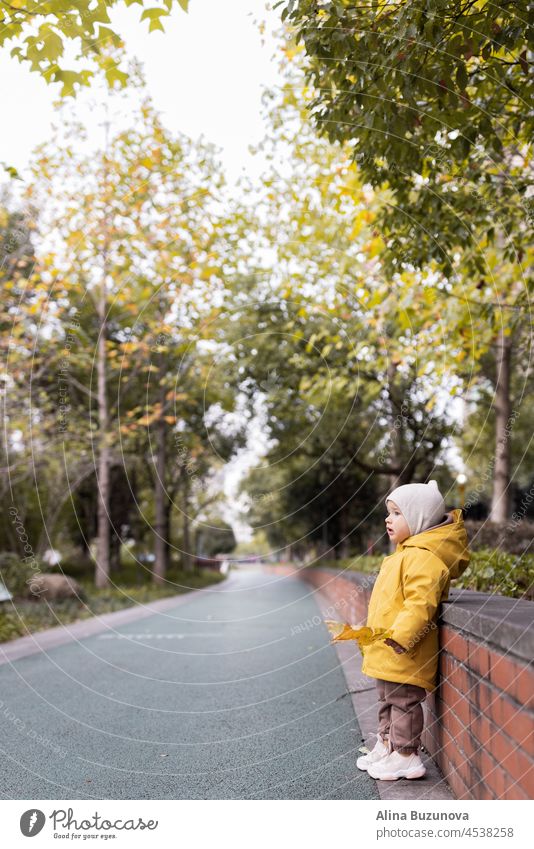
421	504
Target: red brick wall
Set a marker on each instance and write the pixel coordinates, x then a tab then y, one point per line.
348	600
479	722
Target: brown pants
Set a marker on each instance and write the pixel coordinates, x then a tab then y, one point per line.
400	714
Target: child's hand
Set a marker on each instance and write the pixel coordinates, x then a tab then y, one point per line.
397	646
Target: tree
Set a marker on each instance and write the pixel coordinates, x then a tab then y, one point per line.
47	28
337	355
479	437
440	117
17	261
140	240
441	123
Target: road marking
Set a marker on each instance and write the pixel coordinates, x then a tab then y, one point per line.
152	636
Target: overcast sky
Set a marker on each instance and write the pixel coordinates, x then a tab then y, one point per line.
206	75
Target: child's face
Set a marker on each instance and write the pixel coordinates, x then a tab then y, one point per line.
396	524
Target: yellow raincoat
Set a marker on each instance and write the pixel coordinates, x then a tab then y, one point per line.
410	585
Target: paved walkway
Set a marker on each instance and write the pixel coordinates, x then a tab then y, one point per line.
230	692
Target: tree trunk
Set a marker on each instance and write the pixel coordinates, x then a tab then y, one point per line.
115	553
160	494
397	426
500	502
168	527
187	557
103	477
103	473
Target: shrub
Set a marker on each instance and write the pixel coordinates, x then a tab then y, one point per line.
494	571
513	536
10	625
15	573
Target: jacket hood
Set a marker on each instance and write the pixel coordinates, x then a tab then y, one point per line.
448	541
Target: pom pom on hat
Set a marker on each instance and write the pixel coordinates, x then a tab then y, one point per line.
421	504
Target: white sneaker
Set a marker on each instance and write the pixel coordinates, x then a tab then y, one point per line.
380	750
395	766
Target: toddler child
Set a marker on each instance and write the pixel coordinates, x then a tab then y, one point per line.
432	548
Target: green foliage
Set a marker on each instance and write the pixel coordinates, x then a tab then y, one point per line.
10	624
258	545
16	572
346	363
83	24
431	98
514	536
478	443
450	65
493	571
215	538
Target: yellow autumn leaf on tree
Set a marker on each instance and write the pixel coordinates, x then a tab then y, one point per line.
363	635
357	227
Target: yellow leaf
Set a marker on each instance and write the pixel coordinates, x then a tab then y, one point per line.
363	635
357	227
375	246
148	419
429	295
